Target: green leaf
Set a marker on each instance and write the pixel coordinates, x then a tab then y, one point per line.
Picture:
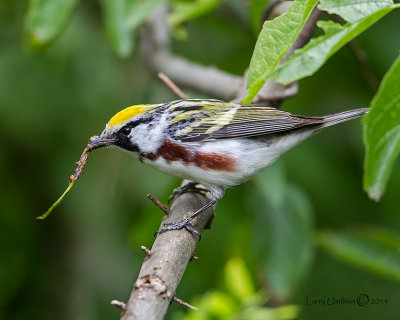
238	279
46	19
140	12
274	40
306	61
119	33
351	10
183	11
283	230
213	305
382	133
376	250
287	312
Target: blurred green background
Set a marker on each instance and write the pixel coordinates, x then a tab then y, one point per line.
303	229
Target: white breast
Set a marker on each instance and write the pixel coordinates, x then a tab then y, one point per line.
252	155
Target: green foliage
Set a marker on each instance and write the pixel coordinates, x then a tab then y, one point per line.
382	133
238	301
376	250
238	279
184	10
140	11
116	23
311	57
52	101
273	41
382	144
351	10
46	19
284	216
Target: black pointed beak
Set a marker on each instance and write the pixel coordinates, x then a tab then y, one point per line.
100	142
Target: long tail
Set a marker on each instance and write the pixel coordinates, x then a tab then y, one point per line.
339	117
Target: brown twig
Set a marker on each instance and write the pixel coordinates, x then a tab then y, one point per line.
171	85
82	161
184	303
72	178
195	258
159	204
119	304
146	250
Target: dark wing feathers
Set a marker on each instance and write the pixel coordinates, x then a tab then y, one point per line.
255	128
221	120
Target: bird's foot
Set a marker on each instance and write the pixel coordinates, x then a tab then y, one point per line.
185	223
188	187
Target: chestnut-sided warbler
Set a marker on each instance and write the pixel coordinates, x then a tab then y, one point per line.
214	143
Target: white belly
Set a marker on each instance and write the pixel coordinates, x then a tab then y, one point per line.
251	155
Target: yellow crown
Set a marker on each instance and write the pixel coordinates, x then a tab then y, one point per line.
128	113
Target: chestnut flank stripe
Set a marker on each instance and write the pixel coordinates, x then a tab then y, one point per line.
207	161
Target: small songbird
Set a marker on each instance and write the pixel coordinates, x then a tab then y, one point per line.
214	143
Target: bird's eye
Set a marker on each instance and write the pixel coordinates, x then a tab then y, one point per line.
125	131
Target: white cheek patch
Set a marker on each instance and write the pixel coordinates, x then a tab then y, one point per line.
147	137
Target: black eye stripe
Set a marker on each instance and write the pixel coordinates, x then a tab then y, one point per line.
125	130
134	124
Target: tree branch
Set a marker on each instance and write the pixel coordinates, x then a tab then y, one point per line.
155	46
166	262
163	269
361	59
172	86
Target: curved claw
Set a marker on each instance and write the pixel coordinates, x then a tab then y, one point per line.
171	197
178	225
185	223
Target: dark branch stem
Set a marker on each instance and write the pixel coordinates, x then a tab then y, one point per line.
361	59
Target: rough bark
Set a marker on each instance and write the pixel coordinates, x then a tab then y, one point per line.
163	269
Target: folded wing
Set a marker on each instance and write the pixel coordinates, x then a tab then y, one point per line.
202	120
